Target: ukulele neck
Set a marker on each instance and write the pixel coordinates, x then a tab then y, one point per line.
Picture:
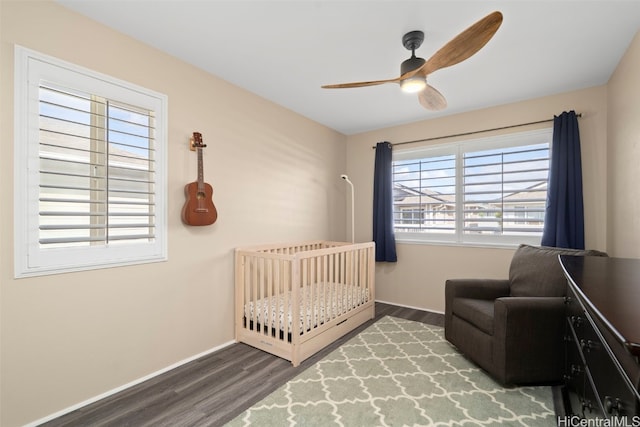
200	171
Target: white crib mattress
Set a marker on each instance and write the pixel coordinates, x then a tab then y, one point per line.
322	303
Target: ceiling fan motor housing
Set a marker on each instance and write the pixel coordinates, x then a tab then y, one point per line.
411	64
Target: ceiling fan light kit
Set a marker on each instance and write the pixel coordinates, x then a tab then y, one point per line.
414	71
413	84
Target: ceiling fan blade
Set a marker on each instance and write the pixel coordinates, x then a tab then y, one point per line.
431	99
360	84
463	46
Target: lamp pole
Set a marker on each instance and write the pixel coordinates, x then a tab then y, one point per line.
353	238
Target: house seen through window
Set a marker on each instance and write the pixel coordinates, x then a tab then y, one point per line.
489	190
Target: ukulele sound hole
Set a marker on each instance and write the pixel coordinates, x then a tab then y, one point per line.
201	196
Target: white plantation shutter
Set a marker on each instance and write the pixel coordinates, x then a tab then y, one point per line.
97	170
94	150
505	190
425	194
486	191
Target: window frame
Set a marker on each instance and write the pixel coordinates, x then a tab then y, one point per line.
458	149
31	68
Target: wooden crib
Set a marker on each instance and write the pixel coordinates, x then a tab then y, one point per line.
293	300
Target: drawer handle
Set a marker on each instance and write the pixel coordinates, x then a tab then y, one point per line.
576	321
587	345
574	371
586	404
613	405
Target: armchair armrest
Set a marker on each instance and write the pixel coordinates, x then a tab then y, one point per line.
528	334
488	289
476	288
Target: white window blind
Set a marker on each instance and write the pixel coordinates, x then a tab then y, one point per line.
97	170
505	190
93	150
488	190
425	194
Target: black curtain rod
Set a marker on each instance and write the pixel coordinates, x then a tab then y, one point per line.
474	132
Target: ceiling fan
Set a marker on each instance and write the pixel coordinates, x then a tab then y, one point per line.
414	71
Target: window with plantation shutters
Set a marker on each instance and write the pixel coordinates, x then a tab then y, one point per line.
93	151
483	191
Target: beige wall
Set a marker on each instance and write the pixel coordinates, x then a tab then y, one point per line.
623	136
70	337
417	279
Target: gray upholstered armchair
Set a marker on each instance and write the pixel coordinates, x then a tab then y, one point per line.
513	328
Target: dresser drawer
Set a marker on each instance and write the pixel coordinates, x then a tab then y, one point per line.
574	375
611	384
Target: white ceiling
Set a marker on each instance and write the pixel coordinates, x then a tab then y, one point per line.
285	50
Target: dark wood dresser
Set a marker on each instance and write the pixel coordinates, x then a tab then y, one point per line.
602	340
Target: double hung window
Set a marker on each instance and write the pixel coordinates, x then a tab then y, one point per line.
484	191
90	188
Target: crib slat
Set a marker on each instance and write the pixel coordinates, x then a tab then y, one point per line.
261	294
294	285
312	294
268	321
350	279
277	294
303	305
325	281
356	285
286	291
248	287
256	292
363	277
331	279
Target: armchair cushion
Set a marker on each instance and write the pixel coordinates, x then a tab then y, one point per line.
535	271
478	312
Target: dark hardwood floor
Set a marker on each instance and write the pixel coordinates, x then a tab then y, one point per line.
212	390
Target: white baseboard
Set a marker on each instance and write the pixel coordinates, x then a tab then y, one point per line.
409	306
126	386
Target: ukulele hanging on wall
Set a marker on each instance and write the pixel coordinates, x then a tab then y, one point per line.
198	209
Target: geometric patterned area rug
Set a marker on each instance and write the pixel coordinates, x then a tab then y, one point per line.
399	373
